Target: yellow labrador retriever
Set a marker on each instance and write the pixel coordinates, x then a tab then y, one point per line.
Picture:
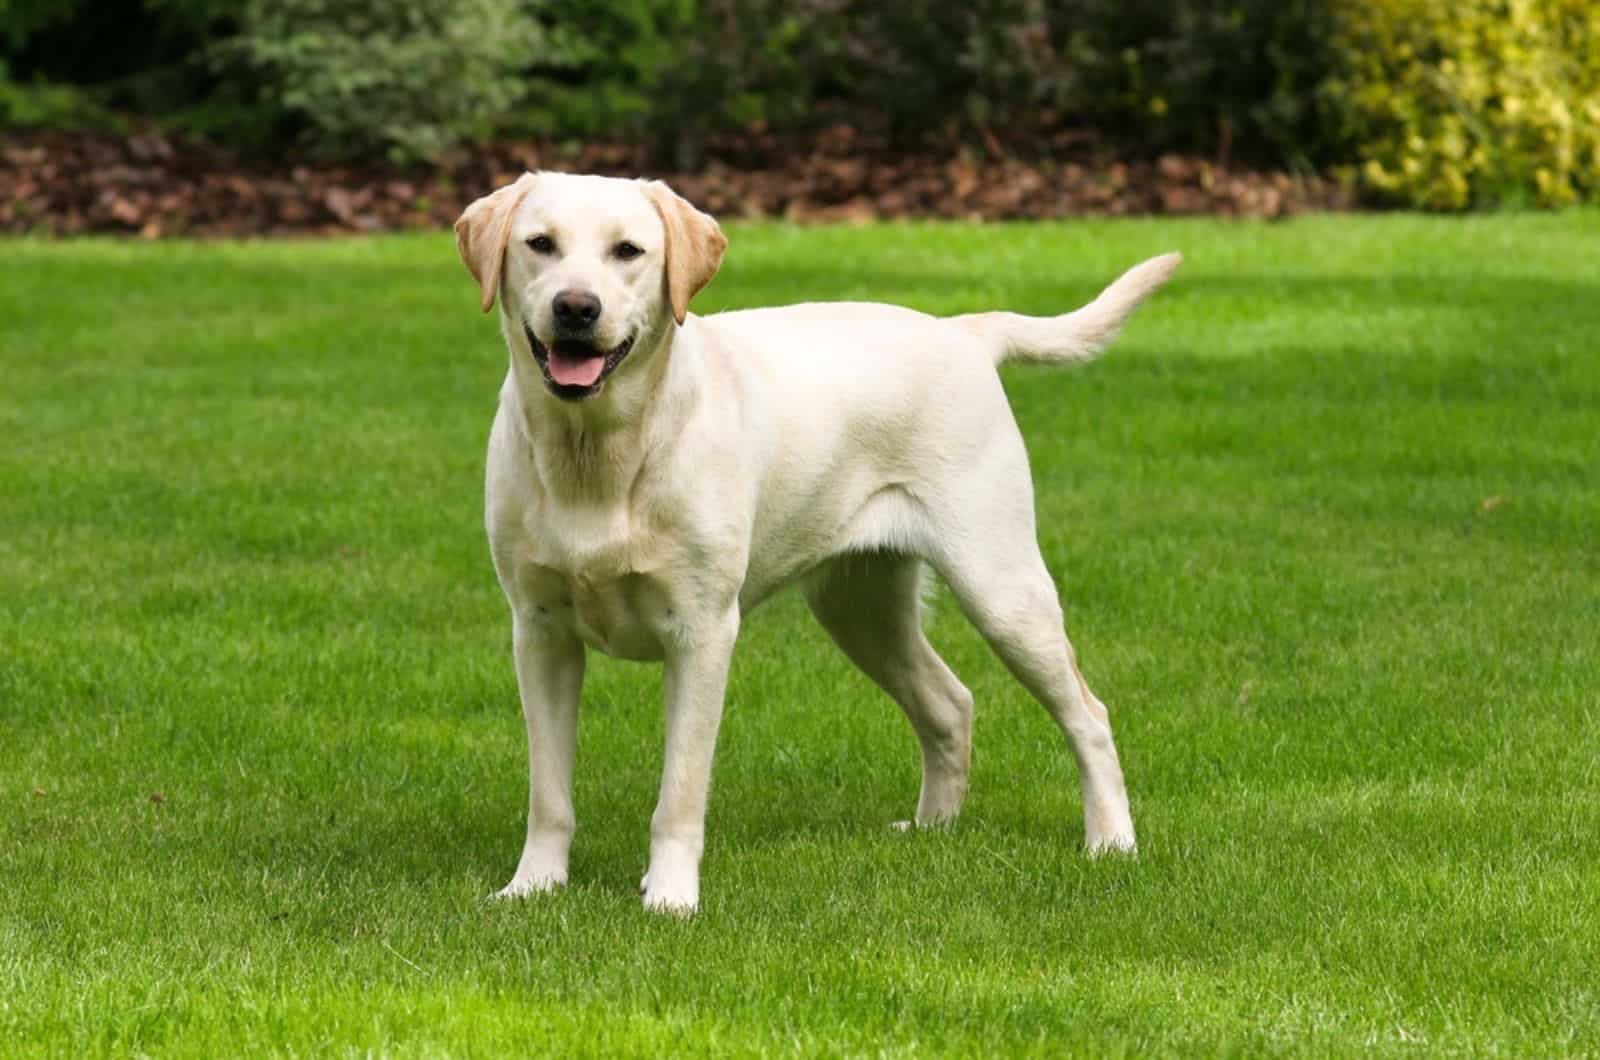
654	475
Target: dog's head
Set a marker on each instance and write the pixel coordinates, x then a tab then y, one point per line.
589	270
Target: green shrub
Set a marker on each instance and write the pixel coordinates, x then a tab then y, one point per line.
667	72
1476	103
71	63
47	104
1443	106
925	67
21	19
408	79
1152	74
1214	76
351	76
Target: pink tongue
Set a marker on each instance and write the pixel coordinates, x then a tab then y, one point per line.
575	371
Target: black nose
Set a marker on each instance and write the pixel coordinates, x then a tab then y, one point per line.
576	309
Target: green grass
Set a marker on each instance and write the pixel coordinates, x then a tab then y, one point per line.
1328	524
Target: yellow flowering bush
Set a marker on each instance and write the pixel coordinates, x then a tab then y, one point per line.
1476	102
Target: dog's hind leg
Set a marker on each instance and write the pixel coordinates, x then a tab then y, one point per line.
871	605
1001	582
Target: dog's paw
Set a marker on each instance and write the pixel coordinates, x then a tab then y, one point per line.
675	894
682	908
1115	844
1108	828
939	824
523	886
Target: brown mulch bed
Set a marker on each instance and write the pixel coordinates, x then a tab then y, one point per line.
152	185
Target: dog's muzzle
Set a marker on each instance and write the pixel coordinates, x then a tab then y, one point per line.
573	368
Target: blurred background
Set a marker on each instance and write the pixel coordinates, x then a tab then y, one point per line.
231	116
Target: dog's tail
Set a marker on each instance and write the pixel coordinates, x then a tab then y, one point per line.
1076	336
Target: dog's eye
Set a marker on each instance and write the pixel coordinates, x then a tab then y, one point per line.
542	245
627	251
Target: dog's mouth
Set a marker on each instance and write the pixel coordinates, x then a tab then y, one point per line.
574	369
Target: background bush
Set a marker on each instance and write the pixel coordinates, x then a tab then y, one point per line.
1441	106
1477	102
669	72
1148	75
409	79
79	62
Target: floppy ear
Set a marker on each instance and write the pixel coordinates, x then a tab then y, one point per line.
694	246
482	231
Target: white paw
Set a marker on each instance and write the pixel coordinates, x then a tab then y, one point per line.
943	823
521	886
1115	843
676	893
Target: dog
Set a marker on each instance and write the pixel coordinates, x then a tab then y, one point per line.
654	475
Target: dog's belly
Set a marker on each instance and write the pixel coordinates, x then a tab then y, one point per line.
875	514
623	616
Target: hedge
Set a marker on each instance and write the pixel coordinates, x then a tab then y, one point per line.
1473	103
1442	106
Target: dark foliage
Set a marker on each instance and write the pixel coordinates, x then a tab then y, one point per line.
1006	77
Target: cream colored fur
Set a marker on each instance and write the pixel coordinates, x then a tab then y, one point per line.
839	447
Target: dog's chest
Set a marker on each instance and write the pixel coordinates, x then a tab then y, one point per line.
588	573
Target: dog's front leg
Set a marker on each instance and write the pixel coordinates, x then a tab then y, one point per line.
695	680
550	678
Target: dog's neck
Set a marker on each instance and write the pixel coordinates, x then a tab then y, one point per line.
594	450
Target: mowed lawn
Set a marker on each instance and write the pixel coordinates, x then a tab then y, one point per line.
1326	520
